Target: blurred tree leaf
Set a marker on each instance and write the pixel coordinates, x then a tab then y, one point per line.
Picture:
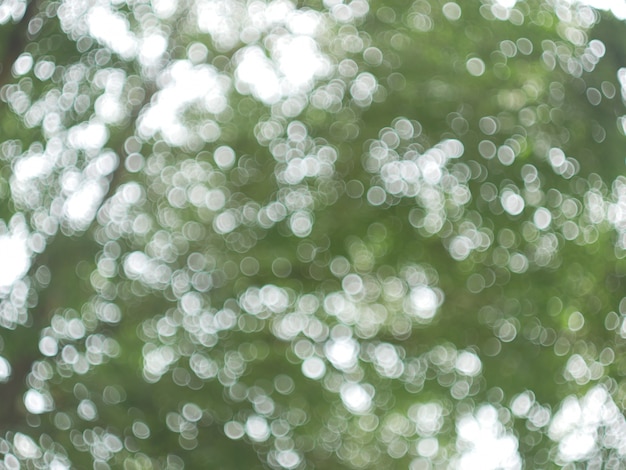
338	234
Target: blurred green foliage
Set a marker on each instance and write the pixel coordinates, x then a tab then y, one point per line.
340	234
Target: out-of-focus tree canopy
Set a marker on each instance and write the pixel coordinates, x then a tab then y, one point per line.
325	234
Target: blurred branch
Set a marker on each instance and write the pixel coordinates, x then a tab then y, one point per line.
11	408
62	255
11	404
117	177
17	41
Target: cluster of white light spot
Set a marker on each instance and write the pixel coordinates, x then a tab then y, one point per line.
349	312
110	106
301	223
354	305
31	169
16	246
296	60
423	302
12	10
87	410
420	19
157	361
67	329
428	418
616	210
402	178
119	213
357	398
185	425
25	447
187	84
101	444
580	370
38	402
576	426
300	159
22	450
542	218
485	443
32	166
342	353
512	202
578	59
468	363
256	75
329	97
301	321
407	170
311	166
288	458
457	370
220	19
204	367
15	257
265	301
387	361
87	136
348	10
566	167
138	265
257	428
113	30
525	406
87	190
363	88
151	48
226	221
5	370
469	239
299	62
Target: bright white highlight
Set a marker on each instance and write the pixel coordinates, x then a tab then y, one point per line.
80	208
112	30
355	398
542	218
468	363
25	447
152	48
512	203
288	458
257	428
487	444
15	259
36	402
5	370
187	84
617	7
313	368
423	302
387	361
577	426
33	166
342	353
475	66
294	61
